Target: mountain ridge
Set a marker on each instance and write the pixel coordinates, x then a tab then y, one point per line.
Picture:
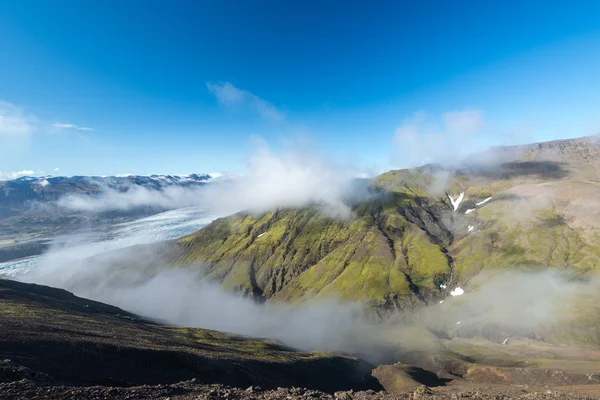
17	193
402	245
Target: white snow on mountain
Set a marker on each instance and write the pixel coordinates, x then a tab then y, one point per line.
483	201
456	203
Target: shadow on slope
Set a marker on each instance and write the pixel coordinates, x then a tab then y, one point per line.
519	169
51	333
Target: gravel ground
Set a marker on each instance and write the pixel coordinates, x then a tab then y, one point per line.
26	389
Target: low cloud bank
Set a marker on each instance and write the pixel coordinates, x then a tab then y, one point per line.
180	298
294	178
543	304
110	199
136	279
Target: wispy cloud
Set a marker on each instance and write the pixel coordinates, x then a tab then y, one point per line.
229	95
226	93
19	125
14	121
71	126
14	174
464	123
421	139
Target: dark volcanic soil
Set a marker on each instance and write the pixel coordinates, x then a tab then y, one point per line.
193	390
51	336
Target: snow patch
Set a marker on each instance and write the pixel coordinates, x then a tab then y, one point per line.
457	292
260	235
471	227
456	203
483	201
43	183
458	323
441	301
469	211
443	286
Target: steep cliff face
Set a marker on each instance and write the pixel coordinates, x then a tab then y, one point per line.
424	231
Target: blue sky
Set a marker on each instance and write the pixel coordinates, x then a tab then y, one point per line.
184	86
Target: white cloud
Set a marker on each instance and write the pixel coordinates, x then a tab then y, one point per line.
137	196
229	95
15	125
180	296
71	126
14	174
22	172
466	122
56	169
226	93
295	178
421	140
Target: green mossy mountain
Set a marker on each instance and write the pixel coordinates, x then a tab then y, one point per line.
376	256
401	247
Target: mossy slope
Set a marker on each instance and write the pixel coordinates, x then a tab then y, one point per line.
390	249
407	241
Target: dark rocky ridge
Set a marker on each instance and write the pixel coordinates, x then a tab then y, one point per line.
50	336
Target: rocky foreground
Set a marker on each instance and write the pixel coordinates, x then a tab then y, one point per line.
27	389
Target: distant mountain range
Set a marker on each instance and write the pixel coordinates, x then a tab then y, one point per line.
18	194
28	206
